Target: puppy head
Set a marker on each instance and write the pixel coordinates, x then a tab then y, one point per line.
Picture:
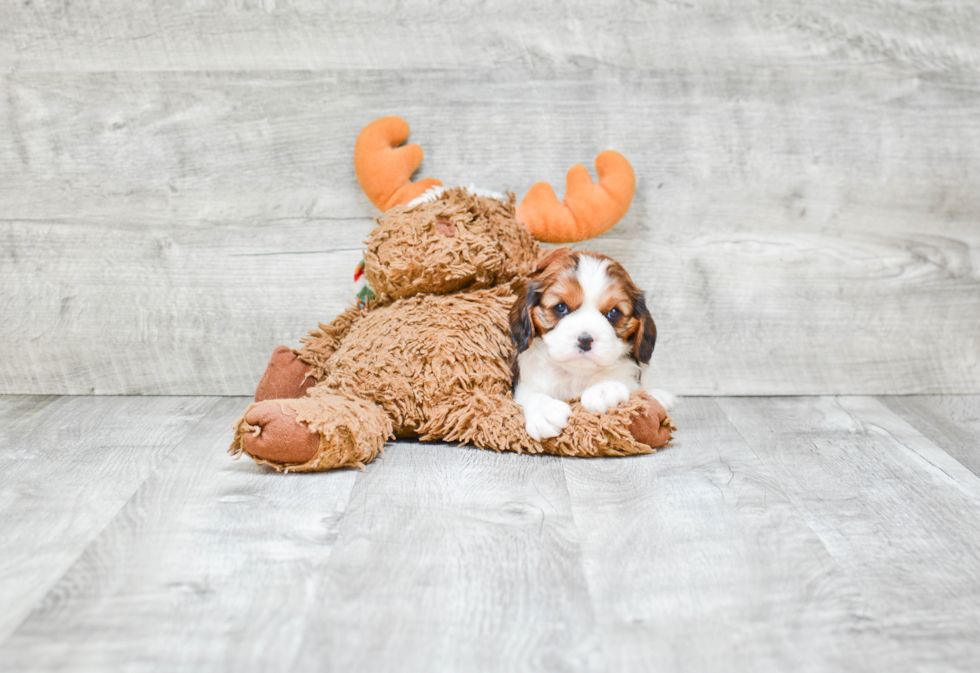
587	311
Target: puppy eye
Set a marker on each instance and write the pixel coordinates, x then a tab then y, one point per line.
613	314
560	309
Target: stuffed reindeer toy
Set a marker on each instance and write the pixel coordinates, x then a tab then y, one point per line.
427	352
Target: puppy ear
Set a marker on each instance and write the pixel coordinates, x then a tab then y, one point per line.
522	330
550	257
644	338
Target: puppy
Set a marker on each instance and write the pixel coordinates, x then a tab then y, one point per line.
581	328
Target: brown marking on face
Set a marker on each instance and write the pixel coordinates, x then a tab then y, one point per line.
565	290
558	285
622	293
543	321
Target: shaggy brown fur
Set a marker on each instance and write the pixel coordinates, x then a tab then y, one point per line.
430	356
409	252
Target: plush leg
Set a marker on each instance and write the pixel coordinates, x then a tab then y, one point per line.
318	432
286	377
496	422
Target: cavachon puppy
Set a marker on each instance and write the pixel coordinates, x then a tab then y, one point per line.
581	329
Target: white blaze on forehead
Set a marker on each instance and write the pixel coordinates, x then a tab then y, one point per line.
562	342
592	277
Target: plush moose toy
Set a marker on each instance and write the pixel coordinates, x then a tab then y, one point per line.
428	353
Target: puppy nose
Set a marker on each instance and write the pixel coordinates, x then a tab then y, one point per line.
585	342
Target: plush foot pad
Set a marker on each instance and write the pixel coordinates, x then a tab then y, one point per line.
286	377
276	435
652	427
318	432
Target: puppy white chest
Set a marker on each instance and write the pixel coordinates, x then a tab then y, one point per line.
540	373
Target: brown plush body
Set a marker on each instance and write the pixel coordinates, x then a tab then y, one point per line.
429	357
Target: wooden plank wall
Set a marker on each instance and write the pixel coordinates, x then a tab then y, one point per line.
177	195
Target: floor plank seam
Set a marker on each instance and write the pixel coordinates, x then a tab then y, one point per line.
802	514
973	492
589	588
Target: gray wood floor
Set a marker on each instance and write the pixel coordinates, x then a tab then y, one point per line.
807	533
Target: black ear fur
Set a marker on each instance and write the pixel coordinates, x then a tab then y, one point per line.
645	337
521	327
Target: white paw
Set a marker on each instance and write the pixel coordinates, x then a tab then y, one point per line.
603	396
667	400
547	417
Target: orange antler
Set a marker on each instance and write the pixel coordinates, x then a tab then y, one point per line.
589	208
383	168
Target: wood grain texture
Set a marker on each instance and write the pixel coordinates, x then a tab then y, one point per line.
23	410
456	560
419	34
212	565
192	307
800	230
785	147
897	514
697	560
952	422
775	534
177	198
444	559
69	465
